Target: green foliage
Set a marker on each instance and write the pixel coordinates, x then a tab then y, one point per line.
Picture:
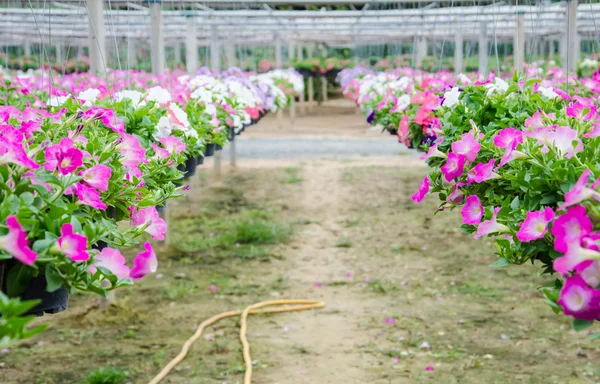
107	376
13	321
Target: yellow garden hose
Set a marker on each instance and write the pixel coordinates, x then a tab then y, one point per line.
254	309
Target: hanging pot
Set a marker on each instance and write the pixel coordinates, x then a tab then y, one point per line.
50	302
190	167
210	150
161	208
231	134
199	160
219	147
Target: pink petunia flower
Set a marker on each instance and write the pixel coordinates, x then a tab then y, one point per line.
535	225
173	144
467	146
63	156
88	196
161	152
579	192
12	151
472	211
403	130
491	226
97	177
457	196
595	132
573	236
434	151
423	190
72	244
454	166
15	242
579	300
534	122
482	172
507	136
155	226
132	151
144	263
112	260
590	272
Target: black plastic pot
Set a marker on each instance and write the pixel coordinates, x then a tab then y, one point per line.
189	167
50	302
161	208
210	150
219	147
231	134
199	160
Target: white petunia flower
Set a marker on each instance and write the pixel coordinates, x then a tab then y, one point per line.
89	96
451	97
547	92
158	94
57	101
134	96
163	128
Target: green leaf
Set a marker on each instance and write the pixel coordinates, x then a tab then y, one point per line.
500	263
18	279
53	279
580	325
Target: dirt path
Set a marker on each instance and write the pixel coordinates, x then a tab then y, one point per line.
316	346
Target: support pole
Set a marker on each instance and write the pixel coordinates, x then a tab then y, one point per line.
230	54
27	48
215	51
458	52
191	47
97	37
300	57
59	54
571	51
421	51
519	43
131	53
232	153
291	55
177	48
483	51
215	65
158	37
311	82
278	59
323	78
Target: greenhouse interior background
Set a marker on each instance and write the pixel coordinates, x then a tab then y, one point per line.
303	191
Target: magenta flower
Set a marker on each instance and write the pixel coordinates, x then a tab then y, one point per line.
511	154
213	288
97	177
535	225
491	226
155	226
72	244
454	166
467	146
579	192
144	263
15	242
107	116
423	190
63	156
429	368
562	140
88	196
506	137
112	260
472	211
173	144
579	300
390	321
482	172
